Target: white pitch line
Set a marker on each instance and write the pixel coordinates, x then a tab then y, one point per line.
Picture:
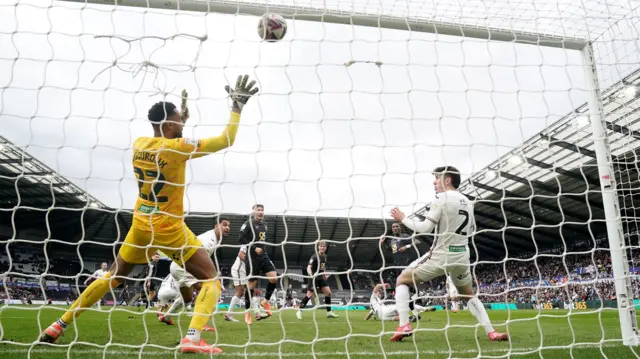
135	352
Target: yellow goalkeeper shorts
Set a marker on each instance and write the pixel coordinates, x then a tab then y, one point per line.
140	245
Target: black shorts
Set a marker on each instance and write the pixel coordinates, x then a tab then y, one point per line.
154	285
319	282
259	265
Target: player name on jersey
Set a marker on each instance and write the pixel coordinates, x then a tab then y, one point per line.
148	157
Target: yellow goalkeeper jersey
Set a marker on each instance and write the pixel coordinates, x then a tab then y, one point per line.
160	165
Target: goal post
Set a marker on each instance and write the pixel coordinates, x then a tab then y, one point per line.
617	247
624	293
353	241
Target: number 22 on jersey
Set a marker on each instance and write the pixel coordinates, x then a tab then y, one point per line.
150	183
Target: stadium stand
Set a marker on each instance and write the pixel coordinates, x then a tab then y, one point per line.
546	189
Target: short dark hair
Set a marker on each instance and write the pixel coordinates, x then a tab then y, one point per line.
258	205
160	111
451	172
221	219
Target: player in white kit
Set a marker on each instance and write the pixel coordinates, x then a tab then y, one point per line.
453	295
239	275
451	216
187	282
169	292
99	273
386	309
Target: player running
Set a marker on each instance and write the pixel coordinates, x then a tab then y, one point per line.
388	310
253	235
159	163
186	281
451	215
317	271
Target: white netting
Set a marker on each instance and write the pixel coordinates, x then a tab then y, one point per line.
349	123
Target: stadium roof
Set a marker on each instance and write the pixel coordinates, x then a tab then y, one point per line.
32	190
550	185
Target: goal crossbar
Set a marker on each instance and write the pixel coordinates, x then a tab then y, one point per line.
357	18
626	309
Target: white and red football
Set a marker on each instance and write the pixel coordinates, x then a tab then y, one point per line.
272	27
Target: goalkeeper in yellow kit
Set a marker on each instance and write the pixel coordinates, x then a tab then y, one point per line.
159	163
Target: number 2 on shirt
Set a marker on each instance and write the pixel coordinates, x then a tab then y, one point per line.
152	194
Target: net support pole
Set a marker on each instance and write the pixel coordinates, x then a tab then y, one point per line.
619	262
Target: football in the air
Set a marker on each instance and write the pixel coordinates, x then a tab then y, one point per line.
272	27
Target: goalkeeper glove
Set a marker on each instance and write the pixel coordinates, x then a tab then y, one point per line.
242	92
184	109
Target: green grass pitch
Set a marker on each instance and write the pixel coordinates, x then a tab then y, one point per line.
126	333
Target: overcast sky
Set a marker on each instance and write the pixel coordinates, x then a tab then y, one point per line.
321	138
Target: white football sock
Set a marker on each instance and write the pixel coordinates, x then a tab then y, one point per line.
402	302
454	305
193	335
234	302
176	306
256	304
478	311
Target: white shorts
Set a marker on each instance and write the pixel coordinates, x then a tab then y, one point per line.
239	272
387	312
166	294
180	275
431	266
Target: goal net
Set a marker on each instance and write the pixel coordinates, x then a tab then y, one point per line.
535	103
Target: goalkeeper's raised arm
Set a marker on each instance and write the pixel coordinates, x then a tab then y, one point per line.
239	95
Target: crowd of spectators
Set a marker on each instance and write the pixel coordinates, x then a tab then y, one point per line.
581	274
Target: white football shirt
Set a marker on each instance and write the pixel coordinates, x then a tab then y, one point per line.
99	273
376	303
209	241
170	283
451	215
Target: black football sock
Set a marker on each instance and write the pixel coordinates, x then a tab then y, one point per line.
304	302
247	299
269	293
327	302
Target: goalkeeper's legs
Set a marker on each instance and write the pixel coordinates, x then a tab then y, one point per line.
201	267
90	296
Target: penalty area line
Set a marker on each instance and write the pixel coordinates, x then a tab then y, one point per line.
152	353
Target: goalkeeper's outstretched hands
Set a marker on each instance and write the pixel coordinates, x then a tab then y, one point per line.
242	92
